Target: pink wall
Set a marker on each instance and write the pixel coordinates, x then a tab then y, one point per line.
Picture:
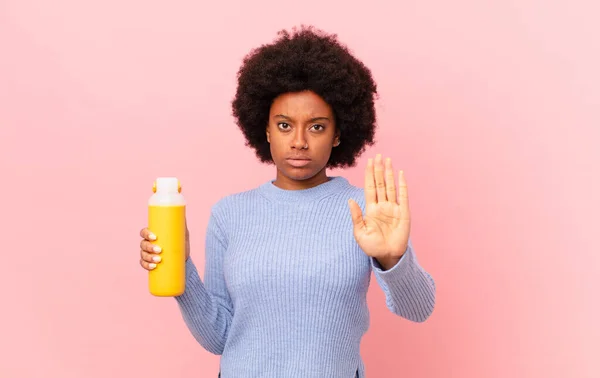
491	108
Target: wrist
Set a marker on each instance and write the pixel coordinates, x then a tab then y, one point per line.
388	263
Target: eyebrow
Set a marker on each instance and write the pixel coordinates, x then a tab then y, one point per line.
311	120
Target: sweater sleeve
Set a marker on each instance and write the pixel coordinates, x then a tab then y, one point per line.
206	306
409	289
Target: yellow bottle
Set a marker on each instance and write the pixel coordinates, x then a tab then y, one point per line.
166	220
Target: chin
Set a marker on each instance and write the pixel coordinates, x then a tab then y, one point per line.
299	174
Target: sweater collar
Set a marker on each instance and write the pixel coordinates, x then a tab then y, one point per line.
334	184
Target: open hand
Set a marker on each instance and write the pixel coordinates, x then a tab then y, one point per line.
383	230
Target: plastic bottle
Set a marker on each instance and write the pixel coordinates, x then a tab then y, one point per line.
166	220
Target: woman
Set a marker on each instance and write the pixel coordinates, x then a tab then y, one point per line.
288	264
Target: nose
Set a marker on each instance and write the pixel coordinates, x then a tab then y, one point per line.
299	140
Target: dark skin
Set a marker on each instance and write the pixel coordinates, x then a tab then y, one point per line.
301	125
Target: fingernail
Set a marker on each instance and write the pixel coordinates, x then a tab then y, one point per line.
152	237
152	265
157	249
156	258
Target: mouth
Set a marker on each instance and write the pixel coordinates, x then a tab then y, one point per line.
298	162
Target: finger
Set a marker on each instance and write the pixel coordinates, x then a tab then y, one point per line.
380	179
390	182
149	247
370	191
356	213
146	265
403	195
146	234
150	257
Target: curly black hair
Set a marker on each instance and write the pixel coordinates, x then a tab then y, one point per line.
307	59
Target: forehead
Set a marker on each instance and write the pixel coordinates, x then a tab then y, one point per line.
300	104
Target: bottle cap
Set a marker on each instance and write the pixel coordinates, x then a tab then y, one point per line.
167	184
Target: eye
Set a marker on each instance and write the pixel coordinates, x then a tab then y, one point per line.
283	126
318	127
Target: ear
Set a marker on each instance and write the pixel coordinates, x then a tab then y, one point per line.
336	140
268	137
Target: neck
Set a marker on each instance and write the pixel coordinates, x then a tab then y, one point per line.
284	182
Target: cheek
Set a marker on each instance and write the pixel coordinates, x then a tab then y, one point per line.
325	149
276	146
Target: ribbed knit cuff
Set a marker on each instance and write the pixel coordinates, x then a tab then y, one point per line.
410	291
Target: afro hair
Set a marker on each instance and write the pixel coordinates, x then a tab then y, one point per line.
307	59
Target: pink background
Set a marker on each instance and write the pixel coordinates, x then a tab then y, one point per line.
491	108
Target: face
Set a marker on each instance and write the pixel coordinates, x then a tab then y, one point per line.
301	133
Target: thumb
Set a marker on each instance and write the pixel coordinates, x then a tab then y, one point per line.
356	212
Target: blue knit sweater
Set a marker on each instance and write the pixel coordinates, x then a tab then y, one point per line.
285	284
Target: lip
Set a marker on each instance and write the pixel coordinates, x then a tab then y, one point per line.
298	162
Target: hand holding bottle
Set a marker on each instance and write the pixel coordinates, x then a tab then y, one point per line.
149	256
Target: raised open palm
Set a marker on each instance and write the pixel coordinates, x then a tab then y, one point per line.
383	230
